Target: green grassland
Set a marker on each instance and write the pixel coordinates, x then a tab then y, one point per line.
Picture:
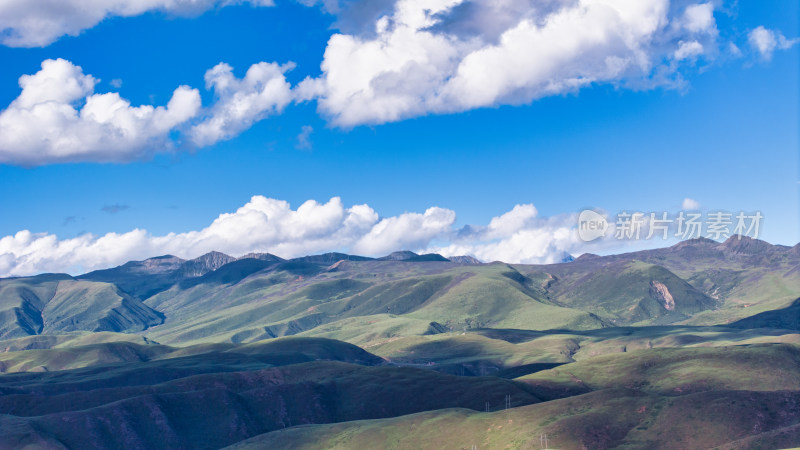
691	346
619	419
212	396
740	397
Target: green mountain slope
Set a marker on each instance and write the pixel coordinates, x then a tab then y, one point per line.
739	397
58	303
295	297
211	396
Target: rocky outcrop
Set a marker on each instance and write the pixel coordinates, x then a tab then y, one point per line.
662	294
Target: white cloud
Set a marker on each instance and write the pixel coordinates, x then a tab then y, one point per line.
690	204
58	118
263	224
539	245
699	18
418	57
441	56
507	224
766	41
406	231
688	50
262	92
734	50
270	225
26	23
304	138
520	236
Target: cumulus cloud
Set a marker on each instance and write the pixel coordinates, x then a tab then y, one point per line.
390	60
441	56
270	225
519	236
766	41
699	18
354	16
240	102
25	23
58	118
690	204
263	224
687	50
409	230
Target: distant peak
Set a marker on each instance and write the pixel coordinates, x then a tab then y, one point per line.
736	239
53	277
330	258
695	242
402	255
209	262
164	257
465	260
405	255
213	255
428	257
744	245
262	257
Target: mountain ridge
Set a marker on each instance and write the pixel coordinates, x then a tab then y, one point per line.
261	296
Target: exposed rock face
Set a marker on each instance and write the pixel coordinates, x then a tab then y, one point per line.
660	292
207	263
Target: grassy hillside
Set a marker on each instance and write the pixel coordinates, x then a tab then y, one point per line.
281	300
52	304
217	298
631	291
759	367
692	346
85	352
599	420
487	351
722	284
211	396
743	397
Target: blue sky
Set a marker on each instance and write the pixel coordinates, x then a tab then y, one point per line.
719	127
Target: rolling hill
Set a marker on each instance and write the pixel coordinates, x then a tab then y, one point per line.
49	304
743	397
690	346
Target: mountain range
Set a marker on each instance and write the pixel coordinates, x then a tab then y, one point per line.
218	350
